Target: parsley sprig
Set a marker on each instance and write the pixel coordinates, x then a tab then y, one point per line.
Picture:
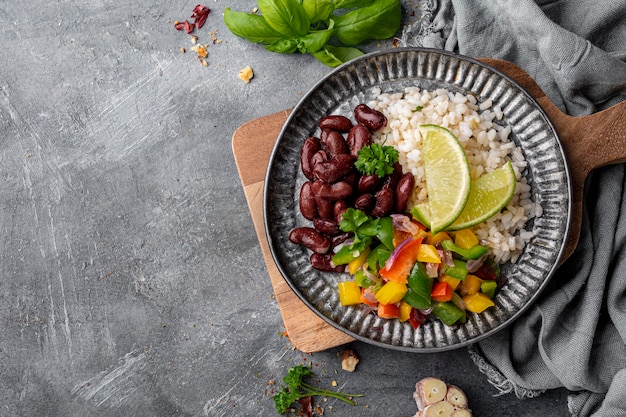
296	388
377	159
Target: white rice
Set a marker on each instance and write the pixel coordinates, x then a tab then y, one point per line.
486	145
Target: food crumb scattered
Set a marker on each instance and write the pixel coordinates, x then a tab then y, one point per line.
349	360
246	74
183	50
201	51
334	383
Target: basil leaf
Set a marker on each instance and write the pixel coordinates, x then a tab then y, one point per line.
315	40
318	10
349	4
334	56
379	20
285	16
251	27
284	46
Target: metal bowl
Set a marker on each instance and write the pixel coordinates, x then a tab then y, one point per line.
392	71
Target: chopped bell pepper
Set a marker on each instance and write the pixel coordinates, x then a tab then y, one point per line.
474	252
405	311
477	302
489	288
458	271
349	293
448	313
466	239
385	232
437	238
357	262
420	286
399	265
428	253
441	292
391	292
453	282
388	311
377	258
416	318
470	285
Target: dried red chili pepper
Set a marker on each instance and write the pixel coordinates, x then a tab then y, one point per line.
184	25
200	14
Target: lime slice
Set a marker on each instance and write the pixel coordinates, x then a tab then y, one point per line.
488	195
421	213
447	175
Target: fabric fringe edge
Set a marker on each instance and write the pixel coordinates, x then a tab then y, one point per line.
497	379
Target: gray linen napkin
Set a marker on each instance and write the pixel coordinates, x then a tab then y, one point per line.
575	335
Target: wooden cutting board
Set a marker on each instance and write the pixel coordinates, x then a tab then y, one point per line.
589	142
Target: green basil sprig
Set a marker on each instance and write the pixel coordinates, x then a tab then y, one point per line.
328	30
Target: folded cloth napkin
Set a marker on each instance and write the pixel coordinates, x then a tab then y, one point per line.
575	335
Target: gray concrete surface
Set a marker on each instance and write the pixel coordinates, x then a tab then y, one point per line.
132	280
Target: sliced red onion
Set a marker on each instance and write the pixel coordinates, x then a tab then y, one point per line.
403	224
458	301
432	269
473	264
369	296
426	311
446	257
396	251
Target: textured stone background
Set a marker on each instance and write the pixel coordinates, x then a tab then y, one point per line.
132	281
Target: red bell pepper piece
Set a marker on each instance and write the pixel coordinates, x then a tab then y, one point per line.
441	291
388	311
416	318
399	265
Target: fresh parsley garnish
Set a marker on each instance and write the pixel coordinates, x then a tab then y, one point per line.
377	159
296	388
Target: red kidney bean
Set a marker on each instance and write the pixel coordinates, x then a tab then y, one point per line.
335	122
311	239
309	148
368	183
340	207
340	238
370	118
365	202
318	157
358	137
384	202
324	263
334	168
403	191
392	180
336	191
325	208
308	206
328	227
333	143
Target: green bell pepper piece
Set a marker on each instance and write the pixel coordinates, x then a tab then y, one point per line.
448	312
489	288
385	232
474	252
419	287
458	271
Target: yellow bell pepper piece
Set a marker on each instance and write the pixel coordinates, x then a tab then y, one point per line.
437	238
349	293
451	281
466	239
477	302
470	285
356	263
391	292
405	311
428	253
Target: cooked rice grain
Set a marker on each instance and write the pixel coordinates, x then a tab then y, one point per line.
486	145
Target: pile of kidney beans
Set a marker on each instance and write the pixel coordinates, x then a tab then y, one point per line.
334	184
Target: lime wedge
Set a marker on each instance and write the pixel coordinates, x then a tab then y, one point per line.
488	195
421	213
447	175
